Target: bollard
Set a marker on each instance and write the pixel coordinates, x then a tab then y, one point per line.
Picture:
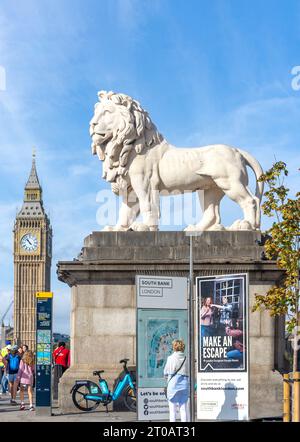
286	398
296	401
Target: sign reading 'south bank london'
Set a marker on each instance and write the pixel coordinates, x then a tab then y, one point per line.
222	329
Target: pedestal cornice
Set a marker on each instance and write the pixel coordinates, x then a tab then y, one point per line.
121	255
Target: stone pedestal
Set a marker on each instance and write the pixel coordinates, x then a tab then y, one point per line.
103	315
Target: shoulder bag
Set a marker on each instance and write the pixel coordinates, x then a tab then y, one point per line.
178	369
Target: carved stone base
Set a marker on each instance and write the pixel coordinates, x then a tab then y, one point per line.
103	314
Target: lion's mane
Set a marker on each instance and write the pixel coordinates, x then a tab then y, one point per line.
136	131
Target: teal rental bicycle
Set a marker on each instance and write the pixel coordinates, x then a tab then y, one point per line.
87	395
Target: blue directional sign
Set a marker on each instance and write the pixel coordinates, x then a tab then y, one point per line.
43	351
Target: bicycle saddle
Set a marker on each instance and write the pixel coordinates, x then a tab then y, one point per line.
124	360
97	373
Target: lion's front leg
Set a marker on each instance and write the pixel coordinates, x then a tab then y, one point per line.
128	213
129	210
149	203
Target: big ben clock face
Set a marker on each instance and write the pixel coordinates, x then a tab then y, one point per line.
29	242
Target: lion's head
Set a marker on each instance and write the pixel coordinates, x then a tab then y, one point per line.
119	127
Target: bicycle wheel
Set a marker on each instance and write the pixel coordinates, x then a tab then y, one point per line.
130	398
78	397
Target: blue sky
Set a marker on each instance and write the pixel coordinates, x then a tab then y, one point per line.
207	72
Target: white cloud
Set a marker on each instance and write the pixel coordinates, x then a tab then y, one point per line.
266	128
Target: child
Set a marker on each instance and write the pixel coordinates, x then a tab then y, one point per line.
12	363
26	377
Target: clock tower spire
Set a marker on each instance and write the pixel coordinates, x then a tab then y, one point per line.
32	258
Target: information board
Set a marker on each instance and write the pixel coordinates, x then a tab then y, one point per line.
153	404
161	292
161	318
43	349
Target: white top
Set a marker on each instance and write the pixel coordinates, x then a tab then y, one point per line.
173	363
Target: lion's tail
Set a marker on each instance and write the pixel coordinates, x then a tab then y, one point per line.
257	169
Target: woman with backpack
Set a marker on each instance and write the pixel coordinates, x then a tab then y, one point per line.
176	371
12	363
25	378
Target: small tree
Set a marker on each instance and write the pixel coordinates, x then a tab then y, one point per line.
283	245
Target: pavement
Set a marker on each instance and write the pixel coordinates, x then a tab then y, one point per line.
12	413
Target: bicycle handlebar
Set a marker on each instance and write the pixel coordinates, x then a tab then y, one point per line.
122	361
98	373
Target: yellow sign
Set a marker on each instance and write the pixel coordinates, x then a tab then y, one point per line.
44	294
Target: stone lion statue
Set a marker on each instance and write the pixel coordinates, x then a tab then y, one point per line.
140	165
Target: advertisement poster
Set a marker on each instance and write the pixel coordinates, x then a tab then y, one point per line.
222	329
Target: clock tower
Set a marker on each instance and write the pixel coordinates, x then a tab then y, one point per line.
32	259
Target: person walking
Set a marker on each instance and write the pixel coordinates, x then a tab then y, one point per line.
176	371
12	363
25	378
24	348
61	360
20	351
61	356
4	379
1	373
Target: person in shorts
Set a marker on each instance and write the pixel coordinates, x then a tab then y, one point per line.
12	363
4	378
25	378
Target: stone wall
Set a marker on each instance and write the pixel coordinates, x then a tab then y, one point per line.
103	323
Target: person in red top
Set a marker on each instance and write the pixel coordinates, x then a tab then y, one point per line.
61	356
61	361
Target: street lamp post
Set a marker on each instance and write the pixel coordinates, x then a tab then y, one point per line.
191	333
191	340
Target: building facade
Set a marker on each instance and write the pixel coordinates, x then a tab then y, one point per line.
32	259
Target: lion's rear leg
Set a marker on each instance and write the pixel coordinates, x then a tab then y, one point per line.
240	194
210	204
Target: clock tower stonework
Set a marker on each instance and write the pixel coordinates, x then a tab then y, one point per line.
32	259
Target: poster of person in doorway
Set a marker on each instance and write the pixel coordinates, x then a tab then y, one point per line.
222	323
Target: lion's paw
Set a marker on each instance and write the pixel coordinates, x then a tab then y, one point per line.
114	229
217	227
192	228
108	229
139	227
241	224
